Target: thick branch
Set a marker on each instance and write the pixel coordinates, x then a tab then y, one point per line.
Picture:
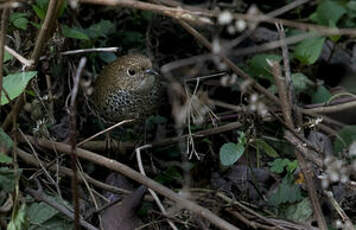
134	175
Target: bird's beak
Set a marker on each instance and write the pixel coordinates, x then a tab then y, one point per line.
151	71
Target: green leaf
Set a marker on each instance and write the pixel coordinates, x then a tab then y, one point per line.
269	150
230	153
329	12
347	135
16	15
21	23
7	179
41	13
309	50
101	29
300	82
62	8
6	144
19	20
351	5
292	165
130	38
286	193
170	175
321	95
15	84
42	216
39	213
107	56
300	212
5	159
259	67
7	56
40	8
56	223
19	221
277	166
74	33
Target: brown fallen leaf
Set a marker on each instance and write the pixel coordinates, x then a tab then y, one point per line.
123	215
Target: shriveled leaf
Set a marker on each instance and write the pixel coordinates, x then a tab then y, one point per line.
309	50
15	84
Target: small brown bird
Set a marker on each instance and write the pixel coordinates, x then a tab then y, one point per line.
127	88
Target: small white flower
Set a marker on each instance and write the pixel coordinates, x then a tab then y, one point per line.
324	183
216	46
253	98
231	29
344	179
225	18
334	176
253	107
339	224
240	25
352	149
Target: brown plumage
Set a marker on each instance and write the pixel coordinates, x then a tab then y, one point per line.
127	88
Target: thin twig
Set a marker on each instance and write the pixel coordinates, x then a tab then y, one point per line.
287	8
80	51
20	58
229	63
204	17
4	18
29	159
154	195
73	139
40	195
134	175
308	175
104	131
347	222
41	39
283	93
125	146
10	5
273	44
332	108
178	13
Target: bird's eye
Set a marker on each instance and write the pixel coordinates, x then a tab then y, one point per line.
131	72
